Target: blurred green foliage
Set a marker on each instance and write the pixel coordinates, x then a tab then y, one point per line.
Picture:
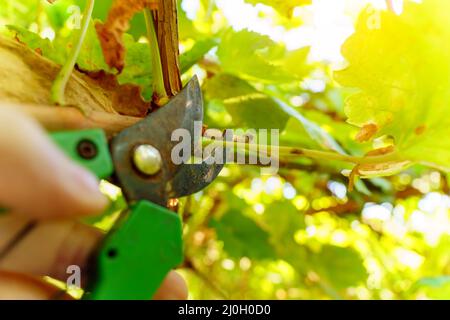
300	234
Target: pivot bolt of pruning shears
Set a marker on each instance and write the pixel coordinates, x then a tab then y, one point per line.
147	159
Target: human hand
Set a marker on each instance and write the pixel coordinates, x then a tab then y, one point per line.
45	192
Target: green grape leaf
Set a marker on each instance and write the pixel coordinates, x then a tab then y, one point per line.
91	55
35	42
89	59
256	57
248	107
315	132
402	73
295	135
101	9
242	236
31	39
138	66
283	220
198	51
339	267
283	6
295	62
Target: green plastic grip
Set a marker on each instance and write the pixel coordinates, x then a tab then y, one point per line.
89	148
136	256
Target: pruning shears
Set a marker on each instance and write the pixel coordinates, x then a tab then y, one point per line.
146	242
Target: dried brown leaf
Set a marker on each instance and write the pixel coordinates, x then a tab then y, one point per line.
369	170
101	94
126	98
117	23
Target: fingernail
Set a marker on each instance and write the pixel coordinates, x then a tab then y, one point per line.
88	185
85	179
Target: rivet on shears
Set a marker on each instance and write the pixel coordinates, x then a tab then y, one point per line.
147	159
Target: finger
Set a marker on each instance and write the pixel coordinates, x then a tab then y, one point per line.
36	178
173	288
14	286
47	248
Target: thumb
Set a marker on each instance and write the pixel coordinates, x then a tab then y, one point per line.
14	286
36	178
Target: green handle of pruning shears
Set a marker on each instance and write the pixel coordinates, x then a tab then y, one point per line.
146	242
136	257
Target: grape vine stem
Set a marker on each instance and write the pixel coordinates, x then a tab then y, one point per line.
68	118
294	152
59	85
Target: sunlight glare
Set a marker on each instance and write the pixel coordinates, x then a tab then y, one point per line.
327	24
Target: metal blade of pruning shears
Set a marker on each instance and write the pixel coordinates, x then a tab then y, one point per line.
155	131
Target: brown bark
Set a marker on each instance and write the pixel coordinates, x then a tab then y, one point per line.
167	32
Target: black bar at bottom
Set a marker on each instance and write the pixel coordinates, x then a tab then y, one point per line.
224	309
